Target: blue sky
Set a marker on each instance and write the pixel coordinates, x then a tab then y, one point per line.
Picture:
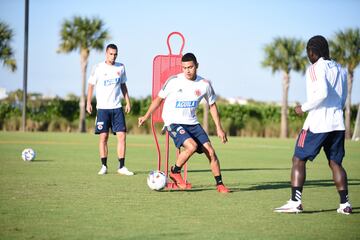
228	38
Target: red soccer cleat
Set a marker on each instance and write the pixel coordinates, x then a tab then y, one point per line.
222	189
176	177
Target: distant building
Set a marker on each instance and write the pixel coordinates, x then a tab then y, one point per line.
237	100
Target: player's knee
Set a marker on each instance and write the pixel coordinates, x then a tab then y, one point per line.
192	147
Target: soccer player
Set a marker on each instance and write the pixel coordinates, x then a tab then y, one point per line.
181	95
324	126
109	80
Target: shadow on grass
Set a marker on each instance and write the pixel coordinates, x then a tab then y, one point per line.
41	160
308	183
240	169
330	210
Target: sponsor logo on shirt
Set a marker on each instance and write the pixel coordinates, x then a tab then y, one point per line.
186	104
113	81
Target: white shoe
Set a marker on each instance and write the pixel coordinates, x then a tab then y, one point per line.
125	171
290	207
345	208
103	170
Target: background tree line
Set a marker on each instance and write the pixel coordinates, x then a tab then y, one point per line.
283	54
256	119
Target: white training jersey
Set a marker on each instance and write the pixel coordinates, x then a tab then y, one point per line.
182	98
107	80
326	87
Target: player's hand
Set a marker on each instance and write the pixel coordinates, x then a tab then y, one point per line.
141	121
89	108
298	110
222	135
127	108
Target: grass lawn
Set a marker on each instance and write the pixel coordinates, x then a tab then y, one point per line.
60	195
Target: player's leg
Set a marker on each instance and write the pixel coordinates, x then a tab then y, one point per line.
119	126
335	152
307	146
102	128
103	150
215	166
181	139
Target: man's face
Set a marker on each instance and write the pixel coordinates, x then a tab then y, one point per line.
312	56
111	55
189	70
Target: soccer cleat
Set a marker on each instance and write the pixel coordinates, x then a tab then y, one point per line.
222	189
290	207
103	170
176	177
125	171
345	208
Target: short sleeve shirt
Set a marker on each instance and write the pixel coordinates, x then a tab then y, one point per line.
182	98
107	80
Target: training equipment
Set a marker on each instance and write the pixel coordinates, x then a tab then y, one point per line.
125	171
28	154
103	170
290	207
345	208
165	66
156	180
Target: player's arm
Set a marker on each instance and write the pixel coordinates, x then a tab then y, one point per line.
125	93
216	117
153	106
318	91
89	97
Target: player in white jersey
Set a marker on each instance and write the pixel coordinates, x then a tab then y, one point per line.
181	95
109	80
324	127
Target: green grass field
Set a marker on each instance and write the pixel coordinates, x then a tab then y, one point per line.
60	195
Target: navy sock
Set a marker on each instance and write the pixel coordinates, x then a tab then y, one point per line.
296	193
121	162
343	196
176	169
104	161
218	180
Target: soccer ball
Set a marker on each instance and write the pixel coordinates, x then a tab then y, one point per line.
28	154
156	180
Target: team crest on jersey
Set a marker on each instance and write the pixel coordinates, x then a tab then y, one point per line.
100	125
118	73
197	93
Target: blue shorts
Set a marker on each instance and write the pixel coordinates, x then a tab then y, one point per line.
308	145
110	118
180	132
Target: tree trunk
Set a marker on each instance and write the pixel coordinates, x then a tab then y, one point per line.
84	62
284	106
348	104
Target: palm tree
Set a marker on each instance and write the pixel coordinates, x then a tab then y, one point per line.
345	49
82	34
6	52
285	54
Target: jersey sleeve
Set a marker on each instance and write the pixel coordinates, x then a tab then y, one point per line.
344	85
92	78
166	88
317	90
210	95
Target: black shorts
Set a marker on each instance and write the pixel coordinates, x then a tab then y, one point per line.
110	118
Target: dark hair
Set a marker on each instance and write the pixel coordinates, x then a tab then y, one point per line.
189	57
319	46
112	46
